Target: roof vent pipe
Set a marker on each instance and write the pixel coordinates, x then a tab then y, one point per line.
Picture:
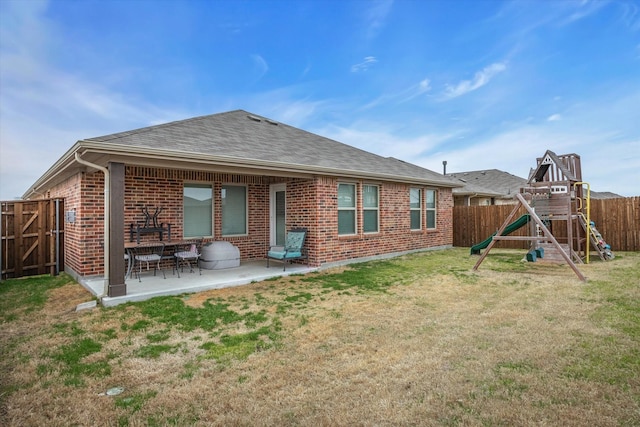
444	167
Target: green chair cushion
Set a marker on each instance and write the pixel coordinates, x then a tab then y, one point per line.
284	255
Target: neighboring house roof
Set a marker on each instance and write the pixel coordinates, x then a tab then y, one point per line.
488	183
604	195
240	142
497	183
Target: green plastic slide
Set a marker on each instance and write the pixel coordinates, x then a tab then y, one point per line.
520	222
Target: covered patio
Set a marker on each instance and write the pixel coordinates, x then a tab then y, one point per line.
153	286
242	179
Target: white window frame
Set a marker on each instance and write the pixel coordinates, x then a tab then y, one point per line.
433	209
353	208
223	189
366	208
416	209
184	210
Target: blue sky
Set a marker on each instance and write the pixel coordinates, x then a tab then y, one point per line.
481	84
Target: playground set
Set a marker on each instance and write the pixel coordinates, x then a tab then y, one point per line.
554	197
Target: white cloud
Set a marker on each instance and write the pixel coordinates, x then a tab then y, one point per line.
364	65
288	104
383	141
376	16
512	151
583	10
630	15
295	112
516	150
424	85
405	95
22	25
45	109
414	91
261	65
480	79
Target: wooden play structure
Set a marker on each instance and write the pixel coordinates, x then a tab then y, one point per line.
555	198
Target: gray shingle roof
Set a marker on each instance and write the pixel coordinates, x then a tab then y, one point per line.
488	182
240	135
604	195
497	183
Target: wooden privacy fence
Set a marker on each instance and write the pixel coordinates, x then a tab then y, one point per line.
32	238
618	220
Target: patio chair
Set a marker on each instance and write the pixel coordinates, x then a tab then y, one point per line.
292	248
186	254
129	259
149	254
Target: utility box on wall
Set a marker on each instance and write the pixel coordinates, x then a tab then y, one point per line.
70	216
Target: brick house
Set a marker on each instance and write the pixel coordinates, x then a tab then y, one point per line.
245	179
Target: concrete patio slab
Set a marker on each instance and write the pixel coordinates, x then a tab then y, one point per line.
151	286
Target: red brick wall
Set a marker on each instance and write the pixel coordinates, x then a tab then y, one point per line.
255	244
394	228
311	203
83	239
152	188
302	211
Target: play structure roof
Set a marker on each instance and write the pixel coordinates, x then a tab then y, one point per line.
561	162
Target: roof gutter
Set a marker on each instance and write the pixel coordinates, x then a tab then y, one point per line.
107	220
58	168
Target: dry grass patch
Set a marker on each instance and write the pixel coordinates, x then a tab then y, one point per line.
418	340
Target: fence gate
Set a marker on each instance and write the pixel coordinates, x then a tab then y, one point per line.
32	238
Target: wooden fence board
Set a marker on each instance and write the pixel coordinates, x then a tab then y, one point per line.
618	220
28	231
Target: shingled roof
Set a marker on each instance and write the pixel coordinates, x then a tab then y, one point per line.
241	142
497	183
488	182
245	136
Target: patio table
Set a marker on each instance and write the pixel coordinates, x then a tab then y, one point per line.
130	247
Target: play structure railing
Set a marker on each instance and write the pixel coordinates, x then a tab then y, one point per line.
587	206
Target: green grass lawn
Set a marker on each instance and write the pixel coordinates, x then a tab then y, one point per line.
415	340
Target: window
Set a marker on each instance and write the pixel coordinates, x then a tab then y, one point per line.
197	202
415	208
370	203
346	209
431	208
234	210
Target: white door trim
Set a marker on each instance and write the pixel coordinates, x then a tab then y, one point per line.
273	189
